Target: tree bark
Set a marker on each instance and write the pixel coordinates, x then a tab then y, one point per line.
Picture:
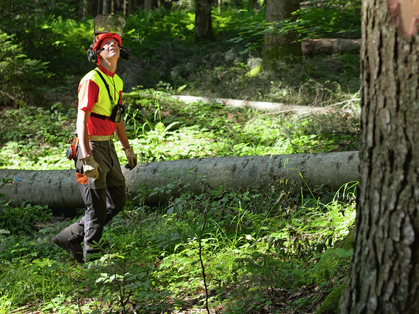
384	276
58	188
203	23
281	45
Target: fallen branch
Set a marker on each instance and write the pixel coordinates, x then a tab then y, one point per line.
258	105
7	95
204	277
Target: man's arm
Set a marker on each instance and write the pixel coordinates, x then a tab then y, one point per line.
83	133
90	167
121	133
129	151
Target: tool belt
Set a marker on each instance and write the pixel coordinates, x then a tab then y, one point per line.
71	151
100	138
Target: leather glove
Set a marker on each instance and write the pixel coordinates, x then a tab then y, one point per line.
132	158
90	167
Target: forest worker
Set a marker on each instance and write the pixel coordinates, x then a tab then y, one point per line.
98	171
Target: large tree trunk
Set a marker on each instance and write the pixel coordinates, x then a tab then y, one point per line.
86	8
130	6
148	5
106	7
58	188
281	45
203	23
384	275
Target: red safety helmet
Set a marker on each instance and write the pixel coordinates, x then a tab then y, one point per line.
100	39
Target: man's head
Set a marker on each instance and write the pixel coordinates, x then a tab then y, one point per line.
105	45
101	38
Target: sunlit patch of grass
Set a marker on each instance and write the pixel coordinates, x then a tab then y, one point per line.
171	131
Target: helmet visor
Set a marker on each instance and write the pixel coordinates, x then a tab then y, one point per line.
108	23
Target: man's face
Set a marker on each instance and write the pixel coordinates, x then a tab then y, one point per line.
110	49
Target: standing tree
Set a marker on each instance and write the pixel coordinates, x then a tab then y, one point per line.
107	6
203	24
277	44
384	275
86	8
148	5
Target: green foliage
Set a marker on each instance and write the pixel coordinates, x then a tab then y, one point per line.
23	220
341	19
68	45
295	233
161	129
18	73
270	249
334	19
150	260
35	137
34	23
333	264
150	27
52	34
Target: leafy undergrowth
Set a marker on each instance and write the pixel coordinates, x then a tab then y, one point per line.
265	250
162	129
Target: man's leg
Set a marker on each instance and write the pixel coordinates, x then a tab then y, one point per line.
94	220
104	205
115	201
89	228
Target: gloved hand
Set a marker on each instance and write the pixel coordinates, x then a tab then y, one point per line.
132	158
90	167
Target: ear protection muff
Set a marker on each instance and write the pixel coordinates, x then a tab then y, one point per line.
125	54
91	54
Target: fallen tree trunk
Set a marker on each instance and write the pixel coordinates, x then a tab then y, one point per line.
58	188
330	46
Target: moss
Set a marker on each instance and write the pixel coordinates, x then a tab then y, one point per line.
348	242
331	304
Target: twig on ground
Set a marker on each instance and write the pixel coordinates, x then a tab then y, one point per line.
8	95
202	263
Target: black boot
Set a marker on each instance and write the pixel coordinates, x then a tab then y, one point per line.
69	239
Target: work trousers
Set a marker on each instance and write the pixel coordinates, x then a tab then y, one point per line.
104	197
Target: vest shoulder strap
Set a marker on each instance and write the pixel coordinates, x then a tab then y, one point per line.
106	84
